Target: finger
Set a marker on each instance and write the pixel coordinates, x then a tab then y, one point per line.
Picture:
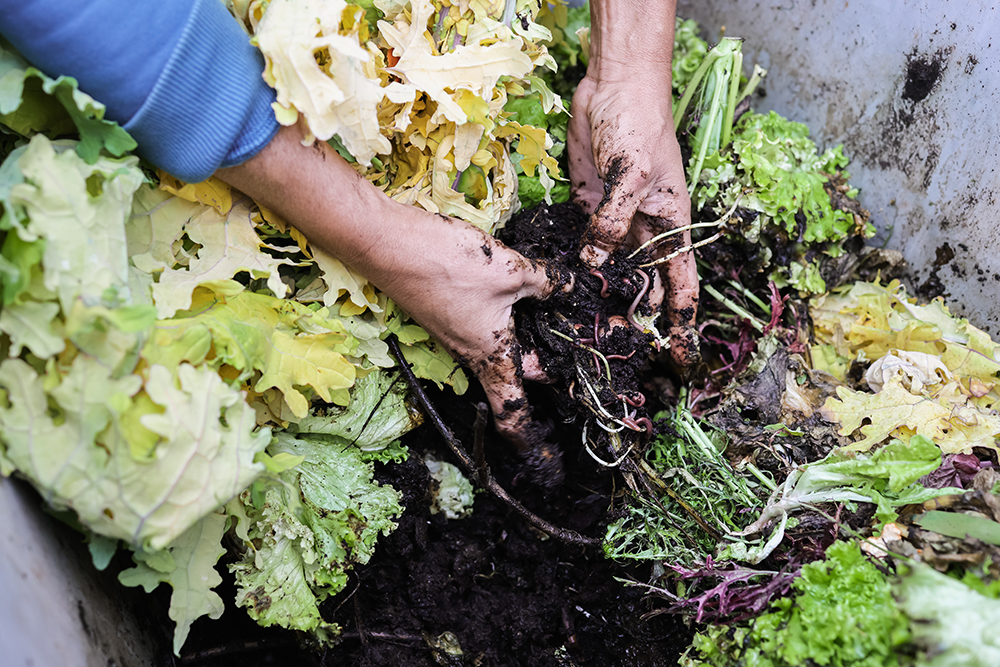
682	308
542	278
532	368
610	223
504	389
644	228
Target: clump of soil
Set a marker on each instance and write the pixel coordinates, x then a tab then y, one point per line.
587	339
508	595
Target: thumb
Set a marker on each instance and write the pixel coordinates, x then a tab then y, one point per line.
610	223
542	278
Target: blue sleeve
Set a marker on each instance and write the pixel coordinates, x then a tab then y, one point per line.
179	75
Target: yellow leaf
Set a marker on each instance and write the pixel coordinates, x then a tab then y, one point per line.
532	144
472	66
211	192
306	361
228	245
325	75
896	411
276	221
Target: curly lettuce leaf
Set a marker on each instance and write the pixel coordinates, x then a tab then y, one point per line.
72	433
188	566
307	530
842	613
250	333
225	245
79	210
337	93
377	415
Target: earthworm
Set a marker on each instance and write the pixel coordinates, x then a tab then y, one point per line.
597	324
604	283
641	424
619	356
630	315
634	402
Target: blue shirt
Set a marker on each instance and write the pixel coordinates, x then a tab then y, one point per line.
179	75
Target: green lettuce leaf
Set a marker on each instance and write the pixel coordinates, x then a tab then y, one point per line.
308	529
252	332
79	210
887	478
953	625
842	613
31	102
188	565
71	433
377	415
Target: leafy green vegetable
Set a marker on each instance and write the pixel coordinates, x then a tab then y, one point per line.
706	499
31	102
957	524
188	565
377	415
453	494
954	625
72	433
842	613
778	190
689	53
307	529
887	478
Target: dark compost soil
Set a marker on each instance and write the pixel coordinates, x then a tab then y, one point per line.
507	594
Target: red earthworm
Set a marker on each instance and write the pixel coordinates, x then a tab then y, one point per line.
630	315
587	341
604	283
597	323
619	356
634	402
634	424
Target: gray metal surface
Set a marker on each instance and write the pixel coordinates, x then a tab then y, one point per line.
56	610
912	90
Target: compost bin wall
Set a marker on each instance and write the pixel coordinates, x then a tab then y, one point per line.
910	89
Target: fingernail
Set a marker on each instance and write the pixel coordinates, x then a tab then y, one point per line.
593	256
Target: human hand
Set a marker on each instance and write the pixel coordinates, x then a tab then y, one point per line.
456	281
626	171
460	284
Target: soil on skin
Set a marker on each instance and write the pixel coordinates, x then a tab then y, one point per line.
507	594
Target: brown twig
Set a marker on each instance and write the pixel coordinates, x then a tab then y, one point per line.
479	444
562	534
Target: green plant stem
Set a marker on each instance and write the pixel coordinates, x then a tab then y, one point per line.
770	485
753	297
731	305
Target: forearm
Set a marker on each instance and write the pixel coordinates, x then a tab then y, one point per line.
400	248
632	38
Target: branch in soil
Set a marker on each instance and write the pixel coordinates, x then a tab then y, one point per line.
562	534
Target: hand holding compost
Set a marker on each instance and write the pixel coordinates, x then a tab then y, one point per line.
625	164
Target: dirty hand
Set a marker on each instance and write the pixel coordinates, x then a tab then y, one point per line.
456	281
624	161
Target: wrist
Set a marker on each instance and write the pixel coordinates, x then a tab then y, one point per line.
631	38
